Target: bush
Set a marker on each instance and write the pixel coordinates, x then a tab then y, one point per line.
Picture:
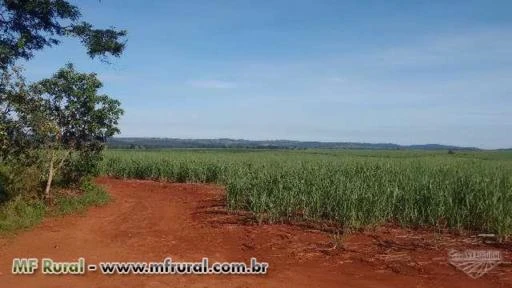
15	181
79	167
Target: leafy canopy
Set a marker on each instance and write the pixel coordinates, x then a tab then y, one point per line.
30	25
75	114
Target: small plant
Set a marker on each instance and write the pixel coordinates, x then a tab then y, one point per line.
338	239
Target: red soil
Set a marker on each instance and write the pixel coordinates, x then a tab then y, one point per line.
148	221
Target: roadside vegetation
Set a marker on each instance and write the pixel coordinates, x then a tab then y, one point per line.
52	131
21	212
355	189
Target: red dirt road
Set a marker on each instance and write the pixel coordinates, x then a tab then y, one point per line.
148	221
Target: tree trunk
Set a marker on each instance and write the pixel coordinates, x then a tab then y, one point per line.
50	178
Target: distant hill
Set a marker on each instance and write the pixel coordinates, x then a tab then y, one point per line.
154	143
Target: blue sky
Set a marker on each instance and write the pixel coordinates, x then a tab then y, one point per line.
406	72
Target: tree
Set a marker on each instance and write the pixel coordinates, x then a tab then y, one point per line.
63	116
30	25
73	119
25	27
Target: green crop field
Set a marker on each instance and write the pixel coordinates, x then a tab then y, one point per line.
462	191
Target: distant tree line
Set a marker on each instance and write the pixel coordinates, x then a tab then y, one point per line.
161	143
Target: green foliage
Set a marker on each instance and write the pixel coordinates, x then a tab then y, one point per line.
20	213
55	120
80	165
17	105
76	120
61	122
31	25
471	190
99	42
82	118
18	180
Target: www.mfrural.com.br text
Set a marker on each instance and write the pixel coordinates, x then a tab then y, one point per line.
28	266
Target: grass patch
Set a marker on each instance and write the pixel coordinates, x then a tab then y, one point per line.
92	195
20	213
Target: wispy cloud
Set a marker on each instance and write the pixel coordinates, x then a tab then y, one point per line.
473	48
212	84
